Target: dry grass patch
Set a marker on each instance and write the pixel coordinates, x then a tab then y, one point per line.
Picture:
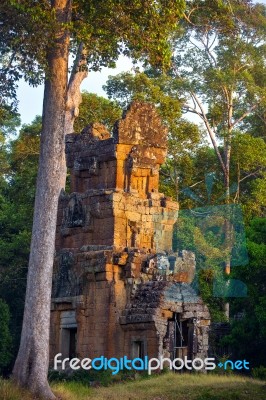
186	387
164	387
9	391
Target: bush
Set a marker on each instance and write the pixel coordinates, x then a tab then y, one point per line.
259	373
95	378
5	337
88	378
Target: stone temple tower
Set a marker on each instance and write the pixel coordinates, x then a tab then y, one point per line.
118	289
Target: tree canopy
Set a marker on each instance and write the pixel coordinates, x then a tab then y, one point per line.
107	29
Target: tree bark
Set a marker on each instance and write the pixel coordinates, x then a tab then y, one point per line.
31	365
227	145
74	98
228	227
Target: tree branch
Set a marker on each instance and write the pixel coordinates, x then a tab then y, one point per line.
210	131
78	74
195	184
251	174
245	114
187	17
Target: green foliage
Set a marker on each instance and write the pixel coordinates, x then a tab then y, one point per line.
15	222
215	304
95	108
168	386
107	29
248	336
3	156
259	373
126	87
255	124
225	52
101	378
184	136
219	63
207	269
179	170
16	210
5	337
9	120
196	69
248	170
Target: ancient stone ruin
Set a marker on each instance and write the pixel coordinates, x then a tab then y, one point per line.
118	288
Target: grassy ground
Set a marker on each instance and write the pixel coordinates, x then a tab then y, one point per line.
164	387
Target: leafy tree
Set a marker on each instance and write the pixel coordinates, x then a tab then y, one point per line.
255	124
221	60
249	172
95	108
248	335
9	121
17	194
178	171
3	156
5	338
127	87
37	38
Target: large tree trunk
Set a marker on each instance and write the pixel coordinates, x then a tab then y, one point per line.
228	228
227	146
228	237
31	365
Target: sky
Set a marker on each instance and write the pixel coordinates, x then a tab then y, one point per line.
30	99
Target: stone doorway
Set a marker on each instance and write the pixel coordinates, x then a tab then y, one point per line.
68	338
179	338
138	347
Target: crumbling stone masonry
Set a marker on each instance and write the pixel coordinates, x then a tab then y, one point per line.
118	289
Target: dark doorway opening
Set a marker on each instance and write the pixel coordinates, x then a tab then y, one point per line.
69	342
138	348
72	343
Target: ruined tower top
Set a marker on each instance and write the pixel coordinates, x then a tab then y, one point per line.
130	160
141	125
114	185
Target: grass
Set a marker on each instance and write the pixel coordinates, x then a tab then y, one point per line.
10	392
163	387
